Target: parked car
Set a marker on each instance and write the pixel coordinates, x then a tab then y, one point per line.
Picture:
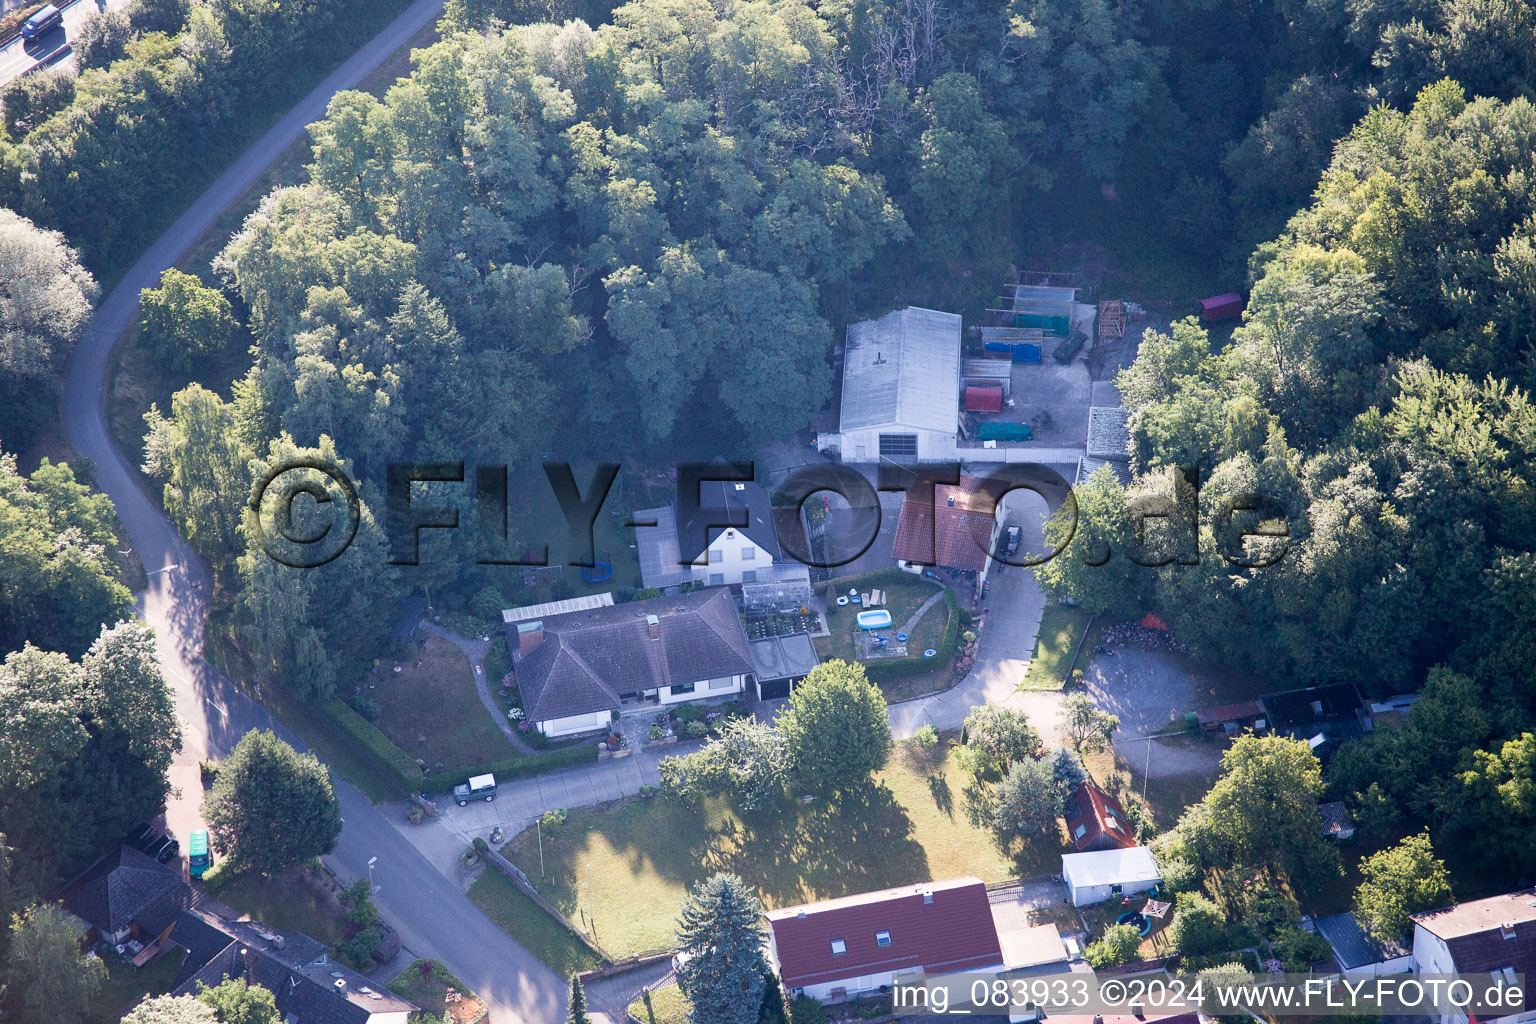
1011	542
156	845
44	21
479	787
199	856
138	835
171	848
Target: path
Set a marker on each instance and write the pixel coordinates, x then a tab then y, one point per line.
475	650
911	623
433	917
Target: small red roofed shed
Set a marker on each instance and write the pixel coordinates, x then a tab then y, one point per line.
983	399
1221	307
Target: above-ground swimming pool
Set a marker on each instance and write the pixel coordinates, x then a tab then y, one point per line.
1136	920
875	618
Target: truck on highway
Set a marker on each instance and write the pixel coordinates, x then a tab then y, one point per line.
479	787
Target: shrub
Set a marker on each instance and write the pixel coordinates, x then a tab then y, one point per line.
358	899
656	732
1118	945
805	1010
357	952
551	821
1198	928
926	738
481	846
695	729
400	765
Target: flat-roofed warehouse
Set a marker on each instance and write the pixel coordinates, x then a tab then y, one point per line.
901	387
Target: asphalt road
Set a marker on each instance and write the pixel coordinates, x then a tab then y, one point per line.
22	55
433	917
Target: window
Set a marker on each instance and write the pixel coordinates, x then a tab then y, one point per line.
839	947
749	553
882	938
749	575
1080	831
716	556
1109	819
897	445
678	688
1503	976
717	579
723	683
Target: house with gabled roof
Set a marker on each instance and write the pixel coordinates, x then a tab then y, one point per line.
1493	937
956	531
307	985
128	895
1097	821
725	537
575	668
848	947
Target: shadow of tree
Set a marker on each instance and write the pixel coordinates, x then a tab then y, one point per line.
943	796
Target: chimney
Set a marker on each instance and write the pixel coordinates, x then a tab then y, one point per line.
951	501
927	895
1507	929
1317	707
341	984
653	627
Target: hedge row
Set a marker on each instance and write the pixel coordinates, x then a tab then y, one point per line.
400	765
512	768
915	664
890	575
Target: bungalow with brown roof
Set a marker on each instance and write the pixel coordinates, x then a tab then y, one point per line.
575	668
955	531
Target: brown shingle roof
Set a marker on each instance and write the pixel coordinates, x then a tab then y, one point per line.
1474	932
588	658
1100	816
952	532
953	932
123	886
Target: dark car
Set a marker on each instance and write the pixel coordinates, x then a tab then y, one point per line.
156	845
171	848
136	836
44	21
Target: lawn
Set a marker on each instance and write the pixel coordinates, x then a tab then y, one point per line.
903	597
526	921
430	709
668	1006
1061	628
623	869
427	984
293	901
127	986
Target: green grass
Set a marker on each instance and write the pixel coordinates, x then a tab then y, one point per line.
902	598
429	990
306	721
290	902
526	921
625	868
431	710
127	985
1061	629
668	1006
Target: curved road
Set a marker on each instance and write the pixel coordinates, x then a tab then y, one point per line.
434	918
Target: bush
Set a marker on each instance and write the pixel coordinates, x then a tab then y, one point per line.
695	729
926	738
357	952
358	899
511	768
805	1010
400	765
1198	927
1118	945
481	846
550	821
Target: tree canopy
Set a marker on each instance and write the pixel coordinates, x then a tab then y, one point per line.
271	806
720	927
835	729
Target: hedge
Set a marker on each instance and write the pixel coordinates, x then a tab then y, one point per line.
396	762
915	664
512	768
890	575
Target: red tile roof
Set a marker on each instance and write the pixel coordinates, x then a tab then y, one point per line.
1475	934
952	532
954	932
1100	815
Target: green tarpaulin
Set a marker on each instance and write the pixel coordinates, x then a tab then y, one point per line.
1054	325
997	431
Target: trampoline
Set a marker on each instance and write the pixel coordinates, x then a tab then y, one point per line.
596	573
1137	920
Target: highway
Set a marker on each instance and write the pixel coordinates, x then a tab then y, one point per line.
433	917
22	55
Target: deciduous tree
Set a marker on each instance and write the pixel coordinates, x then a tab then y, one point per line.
1398	882
271	806
835	728
55	980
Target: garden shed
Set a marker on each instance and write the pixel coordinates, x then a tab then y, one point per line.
1105	874
1221	307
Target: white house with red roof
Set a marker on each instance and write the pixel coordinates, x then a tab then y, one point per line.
844	948
1097	821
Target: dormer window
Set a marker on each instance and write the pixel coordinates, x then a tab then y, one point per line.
839	947
1080	831
882	938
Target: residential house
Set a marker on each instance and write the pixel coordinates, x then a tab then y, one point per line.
1355	950
308	986
779	662
575	668
1106	874
844	948
127	896
1491	937
1097	821
901	389
1322	716
956	531
724	538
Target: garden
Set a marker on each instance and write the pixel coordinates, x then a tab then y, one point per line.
899	677
1061	631
761	623
619	869
427	705
439	992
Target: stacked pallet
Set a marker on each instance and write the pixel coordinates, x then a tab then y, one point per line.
1111	319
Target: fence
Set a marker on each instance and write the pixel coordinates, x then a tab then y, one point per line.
516	876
